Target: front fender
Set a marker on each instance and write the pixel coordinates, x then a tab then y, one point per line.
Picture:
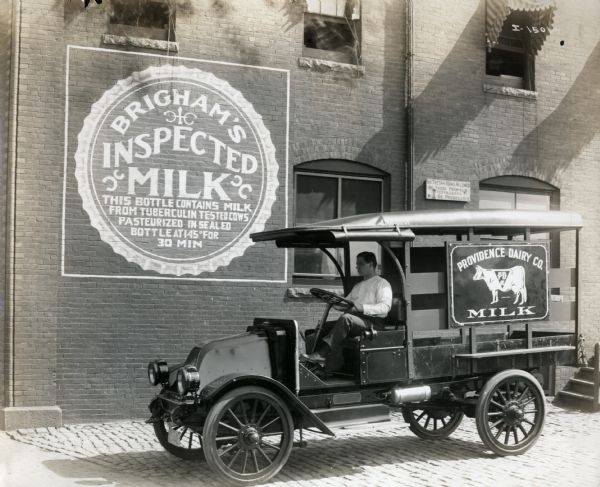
211	392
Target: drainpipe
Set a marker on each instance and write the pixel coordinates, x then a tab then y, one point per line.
11	181
409	199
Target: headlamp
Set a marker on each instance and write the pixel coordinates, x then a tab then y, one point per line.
188	380
158	372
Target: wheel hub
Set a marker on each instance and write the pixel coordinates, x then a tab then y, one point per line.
513	414
249	437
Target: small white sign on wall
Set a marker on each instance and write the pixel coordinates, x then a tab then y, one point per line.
447	190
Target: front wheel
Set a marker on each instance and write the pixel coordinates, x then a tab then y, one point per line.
432	423
248	435
510	412
181	441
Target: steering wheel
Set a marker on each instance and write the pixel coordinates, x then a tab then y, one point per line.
338	302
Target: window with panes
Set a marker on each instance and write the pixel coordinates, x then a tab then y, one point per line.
325	196
522	193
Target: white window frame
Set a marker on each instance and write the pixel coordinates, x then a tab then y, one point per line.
316	7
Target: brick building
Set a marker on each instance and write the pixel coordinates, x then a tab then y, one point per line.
269	112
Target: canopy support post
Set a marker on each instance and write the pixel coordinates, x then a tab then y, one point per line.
347	270
337	265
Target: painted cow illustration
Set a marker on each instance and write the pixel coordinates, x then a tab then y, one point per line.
512	279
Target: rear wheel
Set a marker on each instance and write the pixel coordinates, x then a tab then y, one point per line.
510	412
185	443
432	423
248	435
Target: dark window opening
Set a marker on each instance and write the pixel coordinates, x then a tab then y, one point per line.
506	63
329	34
332	30
152	19
510	59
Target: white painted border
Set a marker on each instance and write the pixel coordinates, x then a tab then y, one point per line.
178	58
66	143
66	138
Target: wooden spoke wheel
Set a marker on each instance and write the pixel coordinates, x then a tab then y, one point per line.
189	445
248	435
510	412
432	423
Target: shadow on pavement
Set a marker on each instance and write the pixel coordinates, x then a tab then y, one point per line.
327	458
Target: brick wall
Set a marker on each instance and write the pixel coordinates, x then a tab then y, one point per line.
83	343
97	335
5	49
467	134
37	232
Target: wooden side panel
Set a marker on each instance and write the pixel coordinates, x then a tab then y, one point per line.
565	311
429	319
428	283
563	277
439	361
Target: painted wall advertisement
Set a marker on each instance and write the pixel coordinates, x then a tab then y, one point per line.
500	282
174	164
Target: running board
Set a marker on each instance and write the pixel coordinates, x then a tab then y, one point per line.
353	415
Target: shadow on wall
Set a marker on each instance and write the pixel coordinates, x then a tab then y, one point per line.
379	146
292	12
447	104
562	136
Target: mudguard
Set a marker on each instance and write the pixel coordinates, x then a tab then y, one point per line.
228	382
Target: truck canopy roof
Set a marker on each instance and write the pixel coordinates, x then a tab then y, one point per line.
404	225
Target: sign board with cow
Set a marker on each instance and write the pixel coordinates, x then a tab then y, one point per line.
497	282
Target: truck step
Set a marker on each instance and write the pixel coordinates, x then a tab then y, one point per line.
337	417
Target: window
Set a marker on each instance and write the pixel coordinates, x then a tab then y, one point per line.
332	30
511	200
151	19
522	193
325	196
510	60
515	33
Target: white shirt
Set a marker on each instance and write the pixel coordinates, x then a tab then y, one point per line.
375	294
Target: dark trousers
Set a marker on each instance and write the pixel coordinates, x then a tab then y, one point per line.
334	332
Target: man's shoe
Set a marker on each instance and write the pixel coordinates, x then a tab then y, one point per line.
314	358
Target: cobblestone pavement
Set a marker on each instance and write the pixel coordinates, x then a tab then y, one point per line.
127	453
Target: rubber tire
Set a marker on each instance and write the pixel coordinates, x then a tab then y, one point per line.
211	427
421	432
483	405
184	453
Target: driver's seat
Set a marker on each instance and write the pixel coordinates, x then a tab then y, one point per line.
396	318
394	335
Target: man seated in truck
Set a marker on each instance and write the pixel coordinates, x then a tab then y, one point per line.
372	298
